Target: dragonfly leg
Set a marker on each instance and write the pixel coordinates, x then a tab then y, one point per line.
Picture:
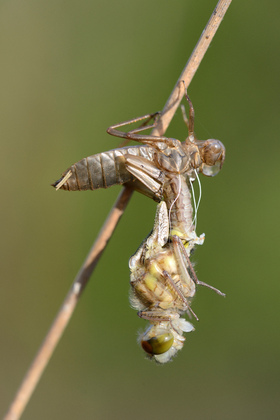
145	125
134	134
182	254
113	129
183	265
154	316
178	292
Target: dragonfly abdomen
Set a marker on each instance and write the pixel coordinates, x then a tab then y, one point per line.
101	170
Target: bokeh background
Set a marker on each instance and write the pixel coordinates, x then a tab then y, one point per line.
69	70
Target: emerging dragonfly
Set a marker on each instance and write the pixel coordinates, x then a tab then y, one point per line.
163	283
159	293
161	168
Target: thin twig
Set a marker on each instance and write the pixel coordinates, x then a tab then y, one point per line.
63	317
191	67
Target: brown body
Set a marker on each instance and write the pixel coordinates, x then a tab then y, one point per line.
160	169
104	169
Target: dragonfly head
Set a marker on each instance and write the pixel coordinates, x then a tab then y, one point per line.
157	344
212	153
162	340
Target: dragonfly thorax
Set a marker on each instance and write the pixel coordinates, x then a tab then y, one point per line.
174	159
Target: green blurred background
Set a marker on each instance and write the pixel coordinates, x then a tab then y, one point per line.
68	71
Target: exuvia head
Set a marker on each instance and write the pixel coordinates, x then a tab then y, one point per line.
212	153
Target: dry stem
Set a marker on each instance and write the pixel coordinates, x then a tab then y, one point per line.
191	66
61	321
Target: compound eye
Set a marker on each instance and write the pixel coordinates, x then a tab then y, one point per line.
211	170
158	344
213	156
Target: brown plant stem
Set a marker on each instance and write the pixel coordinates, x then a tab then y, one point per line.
64	315
191	67
62	319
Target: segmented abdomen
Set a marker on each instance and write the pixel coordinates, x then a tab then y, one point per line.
177	196
103	169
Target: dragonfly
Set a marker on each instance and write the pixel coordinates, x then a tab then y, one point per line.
163	283
163	169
